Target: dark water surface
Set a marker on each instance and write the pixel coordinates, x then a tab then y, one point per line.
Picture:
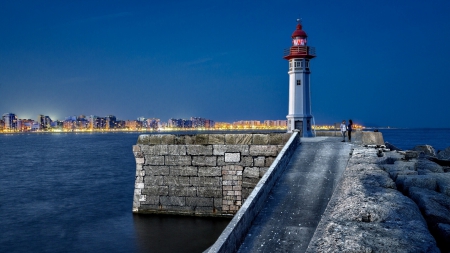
72	192
405	139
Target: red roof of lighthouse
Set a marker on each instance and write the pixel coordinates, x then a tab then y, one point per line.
299	32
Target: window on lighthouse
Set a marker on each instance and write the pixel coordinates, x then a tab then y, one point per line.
299	82
299	41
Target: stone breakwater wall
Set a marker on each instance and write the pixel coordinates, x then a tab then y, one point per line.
386	202
233	235
204	174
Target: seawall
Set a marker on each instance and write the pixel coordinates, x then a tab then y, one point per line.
203	174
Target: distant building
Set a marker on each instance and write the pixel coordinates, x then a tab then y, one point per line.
10	121
111	122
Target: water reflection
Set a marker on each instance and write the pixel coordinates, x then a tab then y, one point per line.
169	233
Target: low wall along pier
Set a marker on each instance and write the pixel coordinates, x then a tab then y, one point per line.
203	174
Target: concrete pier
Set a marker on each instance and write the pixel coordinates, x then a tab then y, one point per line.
296	204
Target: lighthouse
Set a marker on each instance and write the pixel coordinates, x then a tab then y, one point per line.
299	55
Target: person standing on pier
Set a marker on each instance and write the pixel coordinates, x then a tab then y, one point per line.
349	129
343	129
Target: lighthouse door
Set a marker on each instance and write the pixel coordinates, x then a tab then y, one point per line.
299	125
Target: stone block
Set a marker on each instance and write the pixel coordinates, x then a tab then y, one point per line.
443	155
143	139
240	139
136	148
263	150
196	201
232	157
245	161
154	139
201	139
262	171
179	140
204	210
425	149
209	171
259	161
154	150
140	160
435	206
153	170
167	139
156	190
260	139
443	182
139	185
269	161
151	200
425	164
176	181
154	160
216	139
206	181
204	160
232	168
138	154
248	182
181	191
172	201
252	172
178	160
199	150
175	209
217	202
221	149
405	182
153	180
276	139
212	192
176	150
183	171
189	139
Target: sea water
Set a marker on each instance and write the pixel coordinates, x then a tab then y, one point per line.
407	139
72	192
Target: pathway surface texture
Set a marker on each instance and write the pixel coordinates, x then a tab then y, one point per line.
295	206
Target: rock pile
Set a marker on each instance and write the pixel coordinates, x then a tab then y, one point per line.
428	185
397	202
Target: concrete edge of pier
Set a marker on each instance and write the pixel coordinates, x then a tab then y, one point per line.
235	232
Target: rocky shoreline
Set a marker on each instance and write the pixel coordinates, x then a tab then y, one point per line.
388	200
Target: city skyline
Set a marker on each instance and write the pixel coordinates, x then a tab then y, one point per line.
379	63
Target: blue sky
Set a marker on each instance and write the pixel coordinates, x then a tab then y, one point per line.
382	63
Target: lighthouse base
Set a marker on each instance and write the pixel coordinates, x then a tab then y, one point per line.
300	124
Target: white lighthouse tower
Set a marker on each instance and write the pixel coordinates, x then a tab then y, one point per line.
299	55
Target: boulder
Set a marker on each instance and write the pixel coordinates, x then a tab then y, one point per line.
425	149
442	234
444	154
391	147
425	164
405	182
435	208
409	154
443	182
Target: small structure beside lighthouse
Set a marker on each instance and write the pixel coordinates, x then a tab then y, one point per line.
299	55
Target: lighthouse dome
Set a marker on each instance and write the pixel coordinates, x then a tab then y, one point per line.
299	32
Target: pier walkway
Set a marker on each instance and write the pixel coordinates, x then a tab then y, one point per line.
297	201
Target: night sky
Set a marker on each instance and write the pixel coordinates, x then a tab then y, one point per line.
380	63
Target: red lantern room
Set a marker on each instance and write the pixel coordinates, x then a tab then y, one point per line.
299	49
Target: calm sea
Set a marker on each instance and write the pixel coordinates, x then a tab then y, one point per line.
405	139
74	193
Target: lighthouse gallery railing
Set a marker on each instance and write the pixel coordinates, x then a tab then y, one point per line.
300	50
